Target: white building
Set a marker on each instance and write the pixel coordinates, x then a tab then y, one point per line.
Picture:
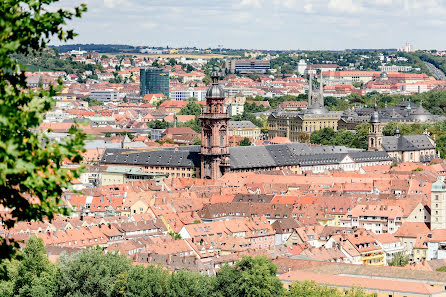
408	48
395	68
185	94
301	67
105	95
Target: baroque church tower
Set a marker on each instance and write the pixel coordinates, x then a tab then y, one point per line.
215	159
375	133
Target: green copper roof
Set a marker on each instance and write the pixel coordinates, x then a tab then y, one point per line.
438	186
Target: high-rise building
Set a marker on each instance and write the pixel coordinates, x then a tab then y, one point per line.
153	81
215	159
248	66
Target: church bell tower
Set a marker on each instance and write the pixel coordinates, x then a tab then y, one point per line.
214	133
375	133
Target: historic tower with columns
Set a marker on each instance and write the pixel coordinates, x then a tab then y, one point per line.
215	159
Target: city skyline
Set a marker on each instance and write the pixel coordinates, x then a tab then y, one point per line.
287	24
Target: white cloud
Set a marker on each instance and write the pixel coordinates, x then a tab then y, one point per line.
308	7
349	6
247	3
112	3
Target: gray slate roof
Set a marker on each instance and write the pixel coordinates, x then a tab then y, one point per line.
243	157
241	125
407	143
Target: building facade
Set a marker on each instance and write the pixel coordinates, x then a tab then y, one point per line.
154	80
248	66
215	159
438	205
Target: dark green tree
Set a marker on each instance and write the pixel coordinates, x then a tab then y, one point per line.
31	164
157	124
245	142
141	281
36	275
192	108
250	277
91	273
189	284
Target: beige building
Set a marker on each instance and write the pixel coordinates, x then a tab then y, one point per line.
401	148
123	174
438	205
292	124
244	129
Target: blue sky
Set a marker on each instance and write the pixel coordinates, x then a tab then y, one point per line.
264	24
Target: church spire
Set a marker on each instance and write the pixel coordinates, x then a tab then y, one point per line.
310	90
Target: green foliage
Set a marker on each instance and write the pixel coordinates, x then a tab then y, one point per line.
194	125
245	142
196	141
251	277
246	116
192	108
441	269
90	273
157	124
93	273
327	136
399	259
174	235
36	276
93	102
31	164
253	108
310	289
48	61
189	284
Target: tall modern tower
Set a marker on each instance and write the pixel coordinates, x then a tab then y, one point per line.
215	159
154	81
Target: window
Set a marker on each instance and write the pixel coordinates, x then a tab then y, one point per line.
208	140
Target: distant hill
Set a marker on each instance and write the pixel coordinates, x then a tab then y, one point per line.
100	48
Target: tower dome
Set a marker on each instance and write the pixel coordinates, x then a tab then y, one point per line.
375	116
215	91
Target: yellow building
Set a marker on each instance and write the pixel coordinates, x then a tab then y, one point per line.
293	124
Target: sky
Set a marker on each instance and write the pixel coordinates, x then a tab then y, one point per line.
263	24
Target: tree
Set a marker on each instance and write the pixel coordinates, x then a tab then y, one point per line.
141	281
31	164
245	142
441	269
157	124
36	275
192	108
310	289
196	141
399	259
91	273
185	284
303	137
250	277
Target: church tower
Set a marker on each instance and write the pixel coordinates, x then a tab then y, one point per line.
375	132
438	204
214	133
